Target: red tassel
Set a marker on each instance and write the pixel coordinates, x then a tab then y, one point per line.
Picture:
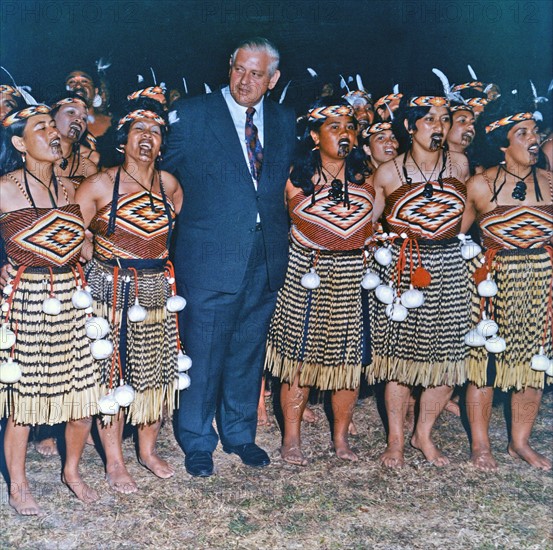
480	274
421	278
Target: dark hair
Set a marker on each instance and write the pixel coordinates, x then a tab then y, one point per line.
66	95
148	104
411	115
10	158
18	100
487	146
307	159
88	74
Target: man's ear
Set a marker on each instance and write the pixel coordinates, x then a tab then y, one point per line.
274	79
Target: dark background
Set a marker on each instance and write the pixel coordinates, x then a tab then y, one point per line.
386	41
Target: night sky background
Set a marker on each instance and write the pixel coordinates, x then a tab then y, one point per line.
386	41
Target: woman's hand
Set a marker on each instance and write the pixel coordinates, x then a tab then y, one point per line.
87	248
4	277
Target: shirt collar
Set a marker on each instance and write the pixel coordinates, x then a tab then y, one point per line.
240	109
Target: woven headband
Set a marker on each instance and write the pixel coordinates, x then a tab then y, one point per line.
320	113
140	114
511	119
387	99
477	101
467	85
354	95
69	100
428	101
25	113
153	92
376	128
462	107
6	89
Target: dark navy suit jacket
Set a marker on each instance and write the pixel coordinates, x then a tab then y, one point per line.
216	226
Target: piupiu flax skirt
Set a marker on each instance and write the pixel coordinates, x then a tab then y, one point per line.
59	379
523	278
148	349
428	348
317	334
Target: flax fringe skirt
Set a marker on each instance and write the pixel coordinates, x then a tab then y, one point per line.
317	334
524	279
59	381
148	349
428	347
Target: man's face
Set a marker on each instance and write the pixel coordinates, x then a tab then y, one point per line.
81	84
363	113
462	131
249	76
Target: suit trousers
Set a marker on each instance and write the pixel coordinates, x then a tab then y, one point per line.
225	335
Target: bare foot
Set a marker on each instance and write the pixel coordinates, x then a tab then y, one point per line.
352	430
344	452
293	455
430	452
47	447
120	480
158	466
22	501
529	455
483	460
392	457
309	416
85	493
453	407
262	416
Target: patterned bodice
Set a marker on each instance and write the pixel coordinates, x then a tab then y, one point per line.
328	224
437	217
44	236
140	232
517	226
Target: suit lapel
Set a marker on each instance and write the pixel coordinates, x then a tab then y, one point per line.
271	138
222	125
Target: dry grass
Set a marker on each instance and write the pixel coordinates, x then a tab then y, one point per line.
328	505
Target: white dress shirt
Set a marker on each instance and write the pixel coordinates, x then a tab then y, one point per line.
238	114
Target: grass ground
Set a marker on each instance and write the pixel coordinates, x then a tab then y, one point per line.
329	504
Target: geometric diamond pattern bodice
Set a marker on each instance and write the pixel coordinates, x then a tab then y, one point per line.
436	217
329	225
517	226
140	232
43	237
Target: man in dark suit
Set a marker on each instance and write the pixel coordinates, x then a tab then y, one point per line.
231	151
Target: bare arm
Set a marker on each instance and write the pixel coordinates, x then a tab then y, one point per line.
93	193
477	194
173	189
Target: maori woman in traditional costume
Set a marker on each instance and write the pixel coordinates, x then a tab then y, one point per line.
71	116
47	373
513	303
316	333
421	301
379	144
130	210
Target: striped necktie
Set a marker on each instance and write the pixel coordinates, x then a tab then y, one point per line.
253	145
